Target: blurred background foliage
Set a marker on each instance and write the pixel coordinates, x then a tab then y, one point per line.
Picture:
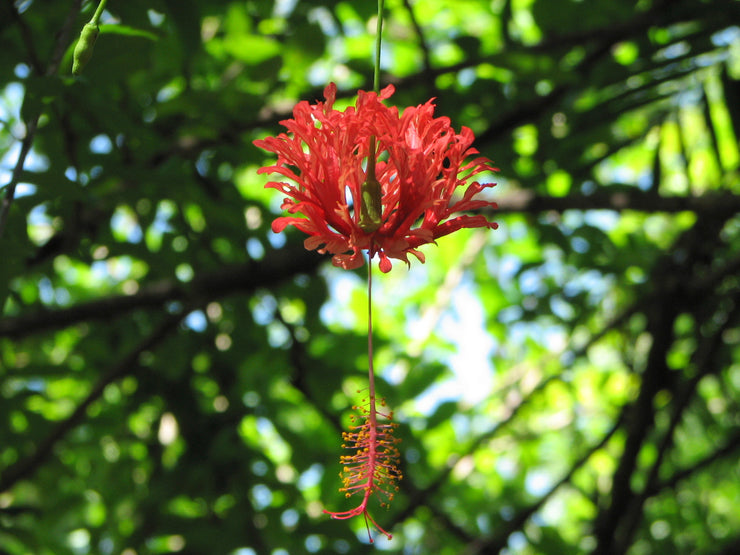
174	377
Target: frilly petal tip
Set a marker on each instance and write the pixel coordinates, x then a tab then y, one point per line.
385	265
348	261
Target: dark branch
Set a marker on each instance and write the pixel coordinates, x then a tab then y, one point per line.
729	448
294	260
613	525
32	123
420	496
619	198
281	265
706	360
26	467
498	542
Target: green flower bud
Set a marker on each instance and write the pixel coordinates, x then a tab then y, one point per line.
84	49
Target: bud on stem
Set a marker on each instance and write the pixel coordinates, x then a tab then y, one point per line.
84	49
89	34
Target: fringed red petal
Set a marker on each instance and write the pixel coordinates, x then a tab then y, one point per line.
421	162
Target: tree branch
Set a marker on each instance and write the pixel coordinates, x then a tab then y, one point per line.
32	124
612	525
281	265
293	260
26	467
498	541
619	198
418	496
732	445
704	360
640	422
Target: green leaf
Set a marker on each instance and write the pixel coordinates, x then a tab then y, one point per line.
127	31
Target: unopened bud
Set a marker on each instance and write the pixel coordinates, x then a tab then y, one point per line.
84	49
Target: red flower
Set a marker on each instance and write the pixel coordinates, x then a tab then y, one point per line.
421	161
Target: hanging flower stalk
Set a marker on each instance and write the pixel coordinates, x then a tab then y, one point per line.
368	180
372	468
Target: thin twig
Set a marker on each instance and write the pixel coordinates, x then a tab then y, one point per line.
706	360
32	123
283	264
499	540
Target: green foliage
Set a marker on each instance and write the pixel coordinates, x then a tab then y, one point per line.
174	377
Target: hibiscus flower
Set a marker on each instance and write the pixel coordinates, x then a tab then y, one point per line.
367	179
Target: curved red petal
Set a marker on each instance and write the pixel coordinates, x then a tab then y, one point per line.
421	162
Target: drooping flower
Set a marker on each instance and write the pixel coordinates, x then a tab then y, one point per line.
419	163
372	468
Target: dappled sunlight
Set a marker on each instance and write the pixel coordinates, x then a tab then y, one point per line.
175	377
